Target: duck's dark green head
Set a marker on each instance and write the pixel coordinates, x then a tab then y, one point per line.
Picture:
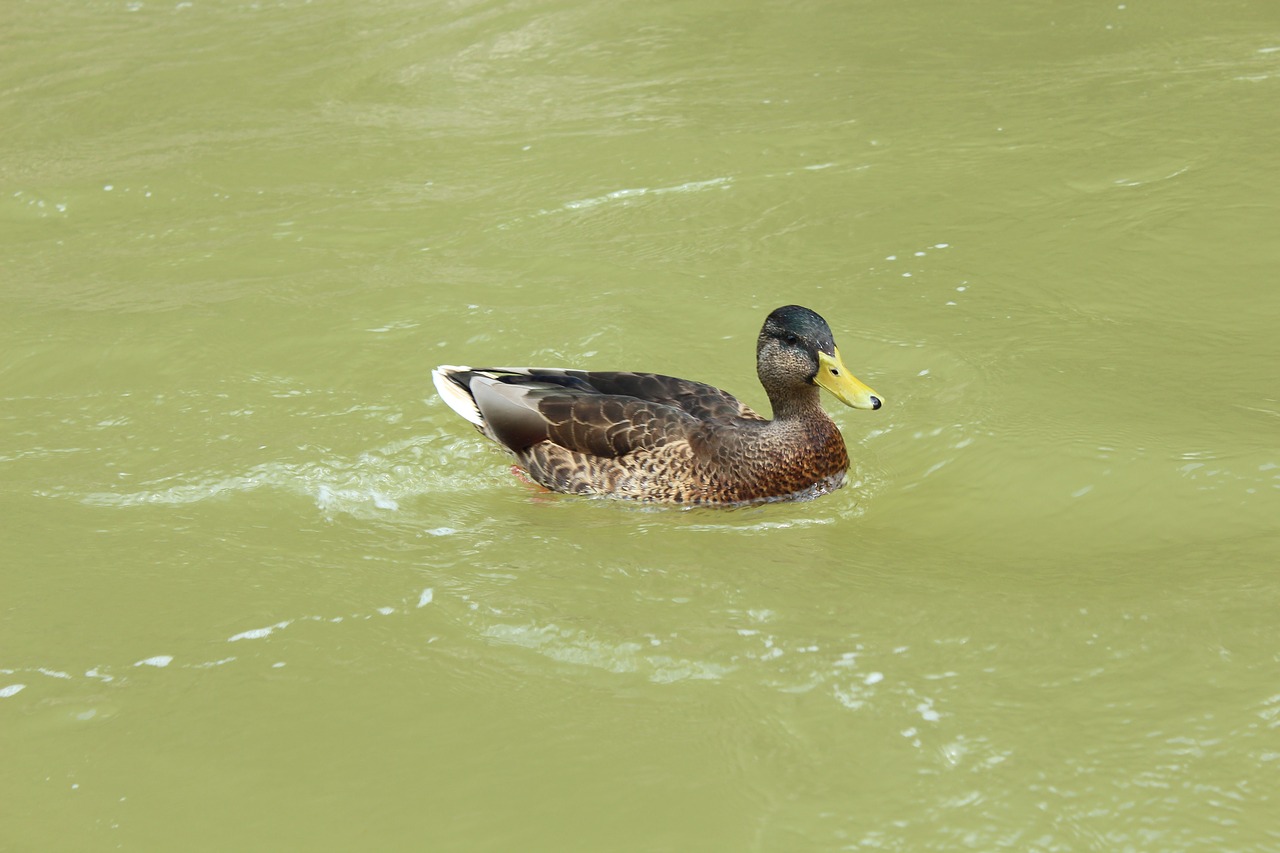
796	348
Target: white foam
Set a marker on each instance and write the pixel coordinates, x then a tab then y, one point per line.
258	633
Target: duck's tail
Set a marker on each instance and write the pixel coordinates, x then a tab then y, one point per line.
455	391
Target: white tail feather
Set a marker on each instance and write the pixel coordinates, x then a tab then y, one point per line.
455	397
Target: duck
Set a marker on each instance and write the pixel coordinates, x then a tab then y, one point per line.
661	439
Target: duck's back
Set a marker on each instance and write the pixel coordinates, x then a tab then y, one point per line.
702	401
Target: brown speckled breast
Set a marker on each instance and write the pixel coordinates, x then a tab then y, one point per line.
721	464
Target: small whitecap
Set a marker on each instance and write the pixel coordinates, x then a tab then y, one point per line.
209	664
386	611
953	753
873	678
257	633
426	597
11	690
157	661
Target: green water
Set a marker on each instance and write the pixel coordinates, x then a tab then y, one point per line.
262	590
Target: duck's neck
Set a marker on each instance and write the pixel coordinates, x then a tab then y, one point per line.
802	406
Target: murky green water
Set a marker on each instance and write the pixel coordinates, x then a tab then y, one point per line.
261	590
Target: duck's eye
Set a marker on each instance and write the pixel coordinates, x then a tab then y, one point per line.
791	340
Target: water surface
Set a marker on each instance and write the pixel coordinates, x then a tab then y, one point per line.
261	589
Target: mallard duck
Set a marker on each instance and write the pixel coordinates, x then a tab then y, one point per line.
658	438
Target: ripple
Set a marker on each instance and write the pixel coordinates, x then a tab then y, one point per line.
115	674
568	645
373	483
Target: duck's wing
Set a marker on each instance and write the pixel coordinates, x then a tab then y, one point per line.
702	401
583	411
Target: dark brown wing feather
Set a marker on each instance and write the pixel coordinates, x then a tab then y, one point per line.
702	401
609	425
601	414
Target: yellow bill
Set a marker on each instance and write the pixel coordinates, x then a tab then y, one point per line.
849	389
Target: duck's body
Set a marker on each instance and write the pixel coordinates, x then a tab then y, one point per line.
658	438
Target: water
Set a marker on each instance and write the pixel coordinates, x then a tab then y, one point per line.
261	589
